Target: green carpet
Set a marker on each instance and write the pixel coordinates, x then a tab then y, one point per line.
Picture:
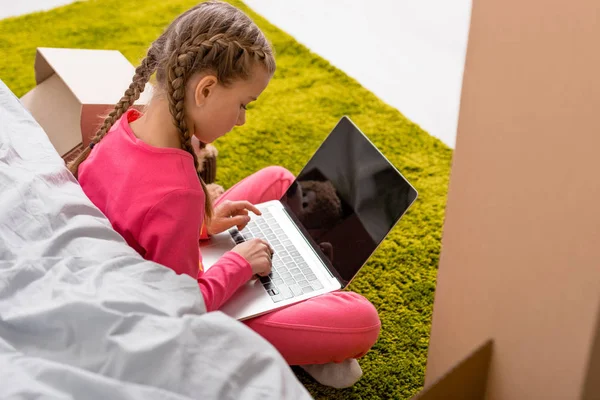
303	102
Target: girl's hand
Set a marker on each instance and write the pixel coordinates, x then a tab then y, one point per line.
259	255
229	214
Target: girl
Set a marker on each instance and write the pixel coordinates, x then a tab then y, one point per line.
141	171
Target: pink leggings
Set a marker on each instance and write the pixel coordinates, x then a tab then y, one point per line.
327	328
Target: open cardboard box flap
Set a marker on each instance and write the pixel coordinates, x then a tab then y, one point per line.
75	89
520	259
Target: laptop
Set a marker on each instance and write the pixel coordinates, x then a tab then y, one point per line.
332	218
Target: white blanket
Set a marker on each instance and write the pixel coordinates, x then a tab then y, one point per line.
83	316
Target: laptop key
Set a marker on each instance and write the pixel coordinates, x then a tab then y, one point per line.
289	281
298	277
316	285
311	277
302	282
285	292
281	269
237	237
306	271
273	291
277	298
277	282
296	289
307	289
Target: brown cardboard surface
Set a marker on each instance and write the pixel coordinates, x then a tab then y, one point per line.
520	259
57	110
466	381
92	116
75	89
591	389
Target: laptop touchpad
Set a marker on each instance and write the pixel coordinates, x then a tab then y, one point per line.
213	248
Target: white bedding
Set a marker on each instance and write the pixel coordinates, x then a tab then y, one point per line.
83	316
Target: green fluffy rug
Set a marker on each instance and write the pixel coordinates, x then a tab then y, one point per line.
303	102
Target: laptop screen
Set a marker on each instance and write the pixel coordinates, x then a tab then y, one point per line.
348	197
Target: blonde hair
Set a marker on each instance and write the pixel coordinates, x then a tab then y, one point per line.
212	36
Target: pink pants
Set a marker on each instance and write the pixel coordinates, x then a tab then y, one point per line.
327	328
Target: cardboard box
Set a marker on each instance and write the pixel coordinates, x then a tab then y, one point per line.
75	90
520	260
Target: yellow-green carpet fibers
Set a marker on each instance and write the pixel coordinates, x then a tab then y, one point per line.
304	101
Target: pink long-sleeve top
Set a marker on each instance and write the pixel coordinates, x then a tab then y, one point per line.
153	198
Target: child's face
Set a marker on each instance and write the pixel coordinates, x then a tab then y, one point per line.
213	109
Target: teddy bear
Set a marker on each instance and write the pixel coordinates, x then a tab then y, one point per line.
207	170
318	207
321	206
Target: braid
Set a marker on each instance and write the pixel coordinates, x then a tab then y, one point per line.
138	84
192	51
180	65
213	36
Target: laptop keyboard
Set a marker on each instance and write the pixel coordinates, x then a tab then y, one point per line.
290	275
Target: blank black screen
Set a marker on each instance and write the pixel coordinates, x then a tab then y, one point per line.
348	197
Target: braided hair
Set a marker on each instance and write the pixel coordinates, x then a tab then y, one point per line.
211	37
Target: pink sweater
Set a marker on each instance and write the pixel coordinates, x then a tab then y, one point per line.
153	198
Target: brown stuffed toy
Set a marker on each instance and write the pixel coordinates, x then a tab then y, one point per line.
321	206
320	210
207	170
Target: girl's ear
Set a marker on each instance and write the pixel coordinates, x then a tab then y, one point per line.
204	88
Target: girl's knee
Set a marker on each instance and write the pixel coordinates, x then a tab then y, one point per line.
358	312
369	321
275	181
362	323
277	173
367	312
